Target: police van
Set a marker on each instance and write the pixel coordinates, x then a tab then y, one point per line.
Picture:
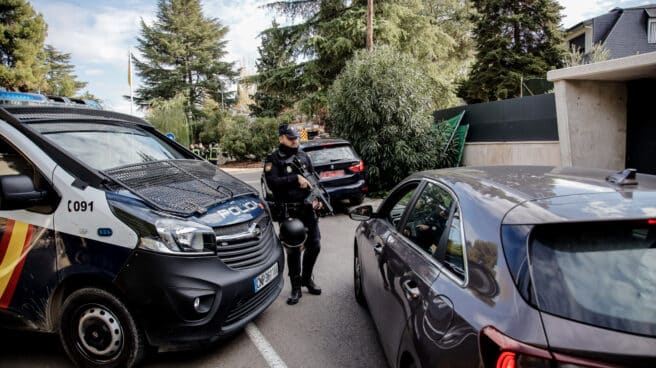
119	239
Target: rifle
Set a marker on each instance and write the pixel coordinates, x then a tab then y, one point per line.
316	190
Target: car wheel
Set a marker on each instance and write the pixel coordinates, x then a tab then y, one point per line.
97	330
357	279
355	201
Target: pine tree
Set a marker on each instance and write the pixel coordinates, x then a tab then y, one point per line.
22	34
275	78
182	54
59	77
515	40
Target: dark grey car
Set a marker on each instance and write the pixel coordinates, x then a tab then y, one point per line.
512	267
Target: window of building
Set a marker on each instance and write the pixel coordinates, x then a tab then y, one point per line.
651	30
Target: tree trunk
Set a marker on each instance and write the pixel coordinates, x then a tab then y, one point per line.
370	24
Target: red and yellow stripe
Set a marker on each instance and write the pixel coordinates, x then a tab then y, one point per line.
14	245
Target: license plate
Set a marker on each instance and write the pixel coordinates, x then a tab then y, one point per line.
265	277
330	174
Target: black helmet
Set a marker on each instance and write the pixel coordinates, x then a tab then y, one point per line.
292	232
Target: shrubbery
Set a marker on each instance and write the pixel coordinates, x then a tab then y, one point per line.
382	102
250	139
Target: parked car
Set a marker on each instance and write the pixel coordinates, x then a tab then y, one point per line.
512	267
340	169
117	238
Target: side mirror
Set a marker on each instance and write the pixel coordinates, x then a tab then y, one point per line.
17	192
362	213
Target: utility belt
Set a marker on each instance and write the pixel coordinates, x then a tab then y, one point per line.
283	210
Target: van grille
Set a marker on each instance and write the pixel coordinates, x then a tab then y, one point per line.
244	308
245	245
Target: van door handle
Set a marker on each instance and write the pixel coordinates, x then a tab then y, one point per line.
378	249
411	291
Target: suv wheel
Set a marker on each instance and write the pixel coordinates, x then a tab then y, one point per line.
355	201
97	330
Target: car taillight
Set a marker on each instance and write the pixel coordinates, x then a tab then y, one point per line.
651	222
358	167
500	351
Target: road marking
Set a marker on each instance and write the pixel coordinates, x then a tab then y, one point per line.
261	343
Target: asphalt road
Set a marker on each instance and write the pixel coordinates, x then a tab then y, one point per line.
330	330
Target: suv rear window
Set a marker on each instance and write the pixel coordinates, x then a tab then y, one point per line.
323	155
601	273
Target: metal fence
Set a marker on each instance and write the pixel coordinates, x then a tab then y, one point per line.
530	118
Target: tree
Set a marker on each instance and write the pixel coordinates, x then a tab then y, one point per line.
22	34
59	77
182	53
250	139
274	82
170	116
89	96
382	103
515	40
436	32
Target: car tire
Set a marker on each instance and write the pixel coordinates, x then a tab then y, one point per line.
357	279
97	330
355	201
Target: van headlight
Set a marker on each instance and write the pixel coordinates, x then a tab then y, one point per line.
179	236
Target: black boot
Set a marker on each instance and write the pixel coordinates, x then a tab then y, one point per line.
313	288
296	290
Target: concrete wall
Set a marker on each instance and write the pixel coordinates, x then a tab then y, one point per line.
592	123
512	153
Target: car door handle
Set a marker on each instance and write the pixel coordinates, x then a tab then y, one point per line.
378	249
411	291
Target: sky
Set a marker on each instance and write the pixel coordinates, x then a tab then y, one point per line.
98	34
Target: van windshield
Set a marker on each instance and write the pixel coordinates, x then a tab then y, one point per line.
105	146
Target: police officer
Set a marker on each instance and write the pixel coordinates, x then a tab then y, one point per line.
290	189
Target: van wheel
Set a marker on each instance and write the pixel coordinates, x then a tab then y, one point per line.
97	330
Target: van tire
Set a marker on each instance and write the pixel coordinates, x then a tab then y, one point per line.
97	330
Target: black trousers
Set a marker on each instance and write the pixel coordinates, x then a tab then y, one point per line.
301	263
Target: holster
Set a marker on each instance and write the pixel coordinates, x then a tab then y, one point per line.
282	210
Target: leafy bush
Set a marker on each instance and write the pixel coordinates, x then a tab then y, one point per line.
214	125
382	103
250	139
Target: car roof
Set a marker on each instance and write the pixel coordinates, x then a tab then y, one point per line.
56	113
324	142
547	194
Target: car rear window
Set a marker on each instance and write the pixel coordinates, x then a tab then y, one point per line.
323	155
601	273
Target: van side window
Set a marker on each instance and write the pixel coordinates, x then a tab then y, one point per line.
14	163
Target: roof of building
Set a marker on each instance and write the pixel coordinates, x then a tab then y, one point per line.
649	8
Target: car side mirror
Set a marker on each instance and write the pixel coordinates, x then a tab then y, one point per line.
17	192
362	213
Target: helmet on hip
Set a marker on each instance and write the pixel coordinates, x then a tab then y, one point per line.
292	233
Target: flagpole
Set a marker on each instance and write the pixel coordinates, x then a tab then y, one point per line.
130	78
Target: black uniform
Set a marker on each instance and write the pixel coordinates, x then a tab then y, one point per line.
281	177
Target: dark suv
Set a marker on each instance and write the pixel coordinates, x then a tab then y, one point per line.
512	267
340	168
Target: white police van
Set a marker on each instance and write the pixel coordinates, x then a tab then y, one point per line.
119	239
